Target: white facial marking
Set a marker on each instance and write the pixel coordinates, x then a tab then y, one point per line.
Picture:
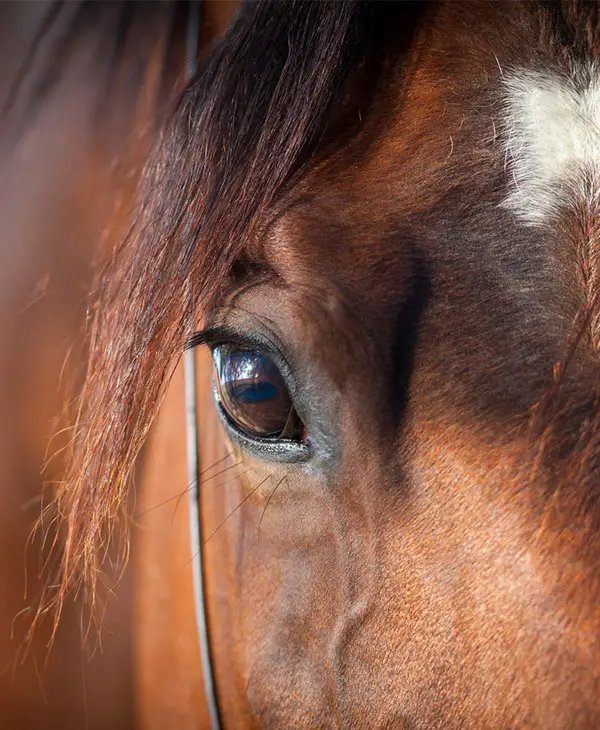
552	140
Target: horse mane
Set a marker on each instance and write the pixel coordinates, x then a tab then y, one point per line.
243	129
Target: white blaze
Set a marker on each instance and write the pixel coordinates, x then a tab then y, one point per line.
552	139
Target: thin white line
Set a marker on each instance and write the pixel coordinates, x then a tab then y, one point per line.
193	455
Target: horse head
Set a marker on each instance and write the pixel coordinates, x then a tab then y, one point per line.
381	224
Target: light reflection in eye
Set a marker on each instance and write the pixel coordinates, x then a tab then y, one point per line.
253	393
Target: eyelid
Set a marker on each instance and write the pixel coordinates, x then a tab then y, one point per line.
224	335
213	336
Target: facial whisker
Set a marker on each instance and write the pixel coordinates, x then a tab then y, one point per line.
180	495
246	498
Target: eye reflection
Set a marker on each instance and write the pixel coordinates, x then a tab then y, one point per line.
253	394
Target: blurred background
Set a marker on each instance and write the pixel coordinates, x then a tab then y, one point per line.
77	124
61	182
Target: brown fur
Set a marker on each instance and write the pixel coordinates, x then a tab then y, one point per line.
436	564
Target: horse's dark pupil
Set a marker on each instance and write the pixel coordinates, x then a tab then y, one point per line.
253	392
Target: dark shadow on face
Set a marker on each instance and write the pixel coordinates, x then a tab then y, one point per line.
405	336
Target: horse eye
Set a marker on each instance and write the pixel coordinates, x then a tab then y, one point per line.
253	394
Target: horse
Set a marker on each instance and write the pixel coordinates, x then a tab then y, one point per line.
375	227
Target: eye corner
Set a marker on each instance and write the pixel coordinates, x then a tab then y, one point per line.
284	451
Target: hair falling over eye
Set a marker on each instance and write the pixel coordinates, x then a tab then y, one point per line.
245	126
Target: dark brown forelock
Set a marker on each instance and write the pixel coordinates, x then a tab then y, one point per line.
241	131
